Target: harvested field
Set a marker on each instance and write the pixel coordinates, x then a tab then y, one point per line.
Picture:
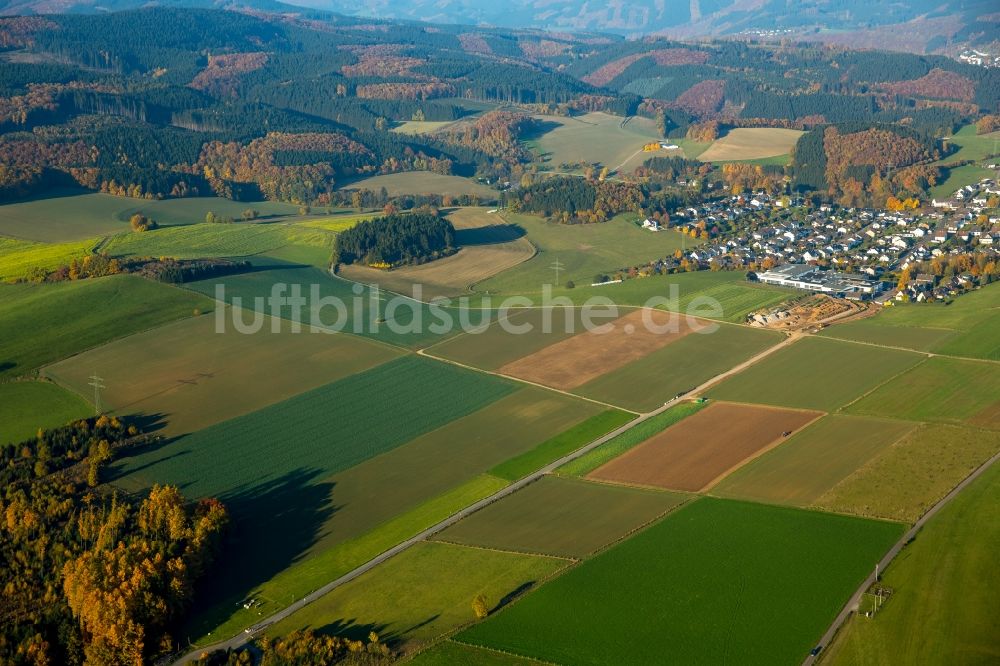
417	596
594	138
588	355
488	246
423	182
190	377
813	460
561	516
715	582
815	373
698	450
751	143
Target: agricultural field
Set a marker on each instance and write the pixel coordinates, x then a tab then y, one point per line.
199	241
713	579
488	245
590	354
815	373
423	182
696	452
189	375
909	477
628	439
422	126
336	426
647	383
41	323
71	216
594	138
334	223
562	517
751	143
26	407
940	389
448	653
943	608
972	146
813	461
969	326
396	321
417	596
18	258
582	250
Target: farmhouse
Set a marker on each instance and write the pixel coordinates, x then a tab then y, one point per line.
650	224
811	278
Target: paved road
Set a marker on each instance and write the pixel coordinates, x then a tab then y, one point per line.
855	600
243	638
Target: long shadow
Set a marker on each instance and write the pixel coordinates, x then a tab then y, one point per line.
513	595
354	631
271	526
539	128
7	365
492	234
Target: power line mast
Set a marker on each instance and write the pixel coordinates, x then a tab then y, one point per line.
557	266
98	384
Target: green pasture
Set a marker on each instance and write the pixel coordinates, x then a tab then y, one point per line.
27	407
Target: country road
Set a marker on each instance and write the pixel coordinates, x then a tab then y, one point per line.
852	604
252	631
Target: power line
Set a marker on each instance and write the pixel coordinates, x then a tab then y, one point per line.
98	384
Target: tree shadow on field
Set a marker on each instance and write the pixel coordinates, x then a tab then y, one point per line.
355	631
492	234
272	525
513	595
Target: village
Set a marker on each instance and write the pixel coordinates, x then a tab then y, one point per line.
844	252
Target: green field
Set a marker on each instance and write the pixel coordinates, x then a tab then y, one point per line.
193	375
583	251
943	606
317	433
594	138
417	596
647	383
405	324
423	182
625	441
940	389
562	444
562	517
198	241
18	258
43	323
221	611
76	216
815	373
968	326
26	407
716	581
913	474
812	461
449	653
971	146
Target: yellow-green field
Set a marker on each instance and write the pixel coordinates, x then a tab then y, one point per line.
423	182
751	143
18	258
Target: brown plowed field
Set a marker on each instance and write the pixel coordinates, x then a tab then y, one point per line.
585	356
700	449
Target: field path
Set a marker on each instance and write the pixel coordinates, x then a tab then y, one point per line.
252	631
911	534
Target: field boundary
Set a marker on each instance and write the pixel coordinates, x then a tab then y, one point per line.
887	559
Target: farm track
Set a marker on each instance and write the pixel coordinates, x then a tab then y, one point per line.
241	639
886	560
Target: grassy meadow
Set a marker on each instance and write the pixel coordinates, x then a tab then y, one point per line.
971	146
26	407
593	138
423	182
46	322
713	582
18	258
943	608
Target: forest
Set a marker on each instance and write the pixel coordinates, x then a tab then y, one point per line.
395	239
